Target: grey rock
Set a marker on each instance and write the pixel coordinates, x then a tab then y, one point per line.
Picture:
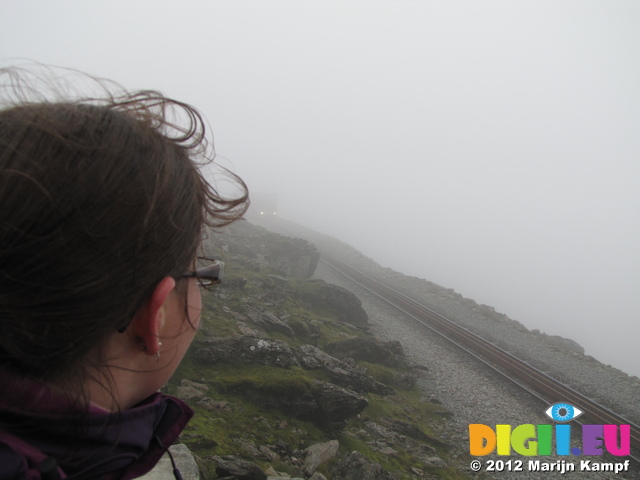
370	350
245	350
188	390
229	466
341	373
300	404
185	461
294	257
378	431
336	404
248	448
434	462
388	451
270	322
317	476
338	301
324	403
211	404
319	453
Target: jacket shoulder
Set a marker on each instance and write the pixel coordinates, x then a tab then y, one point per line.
21	461
13	466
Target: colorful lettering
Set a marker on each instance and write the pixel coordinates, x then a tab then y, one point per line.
563	439
503	438
482	440
611	439
544	439
592	438
523	440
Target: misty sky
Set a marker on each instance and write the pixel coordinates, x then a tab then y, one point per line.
492	147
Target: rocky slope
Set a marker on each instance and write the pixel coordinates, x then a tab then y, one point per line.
475	393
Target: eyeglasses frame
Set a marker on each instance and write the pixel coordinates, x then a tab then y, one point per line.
213	273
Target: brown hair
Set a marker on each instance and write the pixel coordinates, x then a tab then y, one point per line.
100	198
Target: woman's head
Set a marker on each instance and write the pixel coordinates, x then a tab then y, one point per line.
100	200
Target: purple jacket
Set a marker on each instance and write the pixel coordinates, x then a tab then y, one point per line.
42	436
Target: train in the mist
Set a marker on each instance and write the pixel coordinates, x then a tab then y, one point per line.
263	205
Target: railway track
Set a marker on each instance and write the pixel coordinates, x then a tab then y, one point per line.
525	376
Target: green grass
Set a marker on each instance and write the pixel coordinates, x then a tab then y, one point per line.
263	380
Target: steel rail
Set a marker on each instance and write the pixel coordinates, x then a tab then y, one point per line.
541	385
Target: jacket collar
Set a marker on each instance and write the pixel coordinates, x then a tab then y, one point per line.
95	443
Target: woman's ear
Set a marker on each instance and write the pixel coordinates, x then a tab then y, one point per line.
147	324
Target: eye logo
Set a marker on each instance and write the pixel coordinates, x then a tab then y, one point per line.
563	412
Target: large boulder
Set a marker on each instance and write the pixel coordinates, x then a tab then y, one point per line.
297	402
293	257
322	403
230	466
313	358
245	350
335	300
270	322
336	404
370	350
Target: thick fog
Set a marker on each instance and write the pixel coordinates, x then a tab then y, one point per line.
492	147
